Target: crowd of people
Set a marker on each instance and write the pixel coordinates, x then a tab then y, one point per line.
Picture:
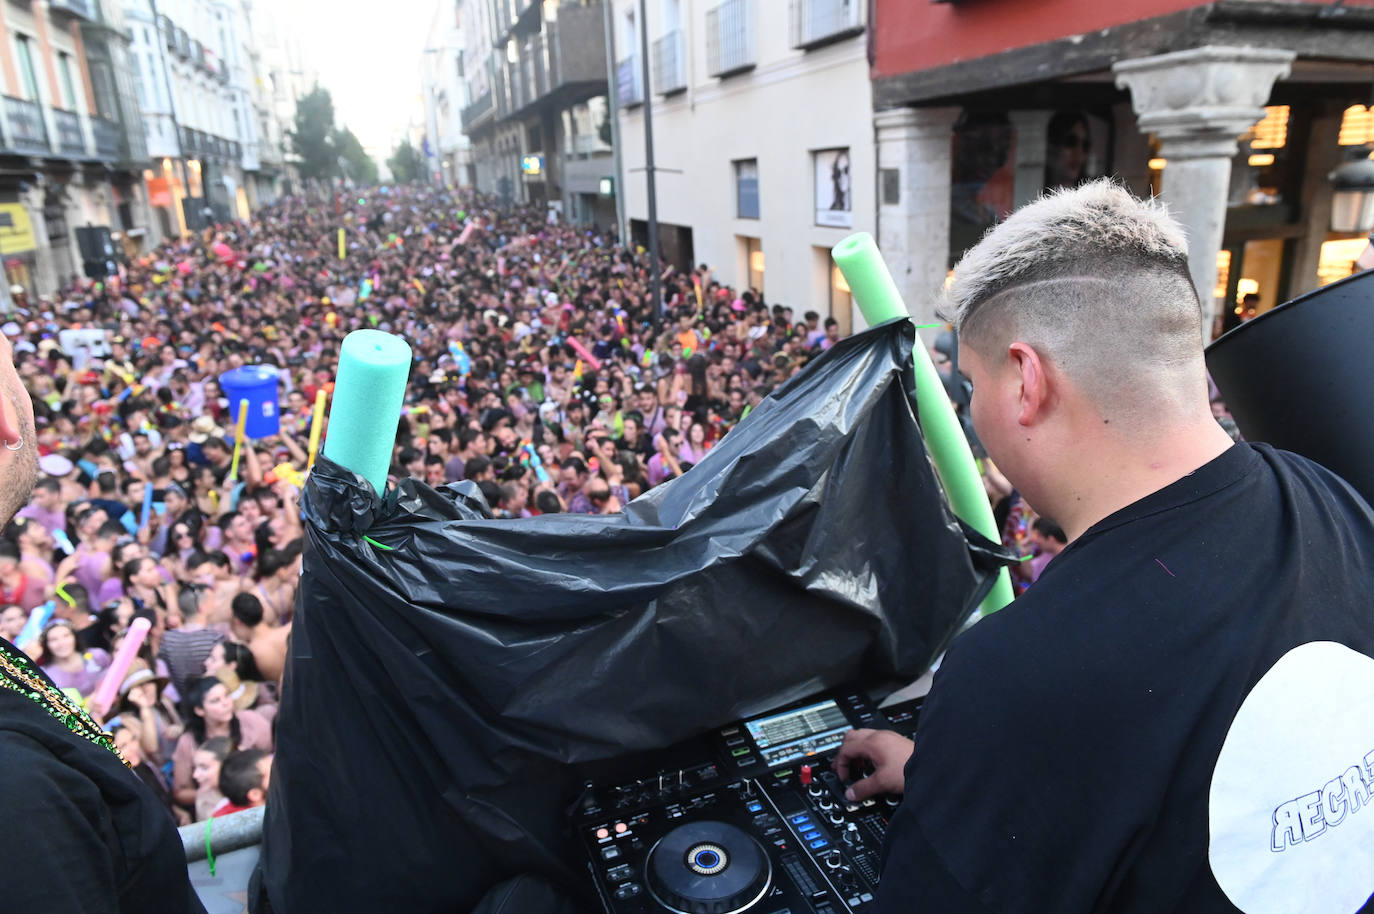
540	373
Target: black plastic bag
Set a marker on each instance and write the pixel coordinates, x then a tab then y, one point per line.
442	680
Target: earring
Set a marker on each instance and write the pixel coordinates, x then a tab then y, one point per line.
14	447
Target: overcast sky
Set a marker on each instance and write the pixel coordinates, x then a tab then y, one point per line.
368	56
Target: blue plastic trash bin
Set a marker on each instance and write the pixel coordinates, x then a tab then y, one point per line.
258	385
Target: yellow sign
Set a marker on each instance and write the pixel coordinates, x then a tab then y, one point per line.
16	231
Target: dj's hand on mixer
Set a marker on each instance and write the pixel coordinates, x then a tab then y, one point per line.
872	763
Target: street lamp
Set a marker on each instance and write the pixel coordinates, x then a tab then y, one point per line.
1352	200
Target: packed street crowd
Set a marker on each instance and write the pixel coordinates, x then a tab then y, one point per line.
538	375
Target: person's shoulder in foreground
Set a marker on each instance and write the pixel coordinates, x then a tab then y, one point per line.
1177	715
84	834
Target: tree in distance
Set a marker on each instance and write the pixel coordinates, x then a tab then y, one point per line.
405	164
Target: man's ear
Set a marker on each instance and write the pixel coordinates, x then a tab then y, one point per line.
256	796
1034	392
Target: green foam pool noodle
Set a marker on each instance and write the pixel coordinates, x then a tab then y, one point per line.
368	394
871	285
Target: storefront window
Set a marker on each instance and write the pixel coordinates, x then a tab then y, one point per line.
995	152
1258	175
983	179
1338	259
1357	126
1223	273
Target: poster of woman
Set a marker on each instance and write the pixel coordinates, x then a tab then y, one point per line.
1069	153
834	202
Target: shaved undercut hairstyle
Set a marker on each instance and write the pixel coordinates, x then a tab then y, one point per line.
1097	281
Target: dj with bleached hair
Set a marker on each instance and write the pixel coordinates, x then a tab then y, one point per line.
1179	715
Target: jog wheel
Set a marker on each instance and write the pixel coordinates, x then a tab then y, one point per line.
708	868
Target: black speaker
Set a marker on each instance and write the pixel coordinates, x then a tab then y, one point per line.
99	269
193	213
1298	377
95	243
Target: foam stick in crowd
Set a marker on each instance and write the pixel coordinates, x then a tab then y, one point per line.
535	462
467	232
876	295
34	626
368	394
104	694
147	504
581	350
343	247
460	358
238	441
316	426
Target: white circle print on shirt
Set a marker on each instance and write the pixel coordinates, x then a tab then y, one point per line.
1291	808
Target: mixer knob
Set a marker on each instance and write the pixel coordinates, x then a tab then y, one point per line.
826	804
837	818
851	834
833	860
805	776
892	801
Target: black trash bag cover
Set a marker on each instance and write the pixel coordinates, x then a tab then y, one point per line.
446	669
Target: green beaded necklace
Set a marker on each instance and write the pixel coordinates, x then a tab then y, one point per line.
18	674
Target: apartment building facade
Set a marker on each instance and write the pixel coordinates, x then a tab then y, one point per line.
763	139
71	148
200	82
538	116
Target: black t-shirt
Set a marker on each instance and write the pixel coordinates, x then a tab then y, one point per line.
90	637
83	834
1178	716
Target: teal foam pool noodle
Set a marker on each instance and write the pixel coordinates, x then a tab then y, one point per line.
368	394
878	300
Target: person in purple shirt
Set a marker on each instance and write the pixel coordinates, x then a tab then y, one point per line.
46	506
123	554
665	464
65	663
471	443
92	561
1049	540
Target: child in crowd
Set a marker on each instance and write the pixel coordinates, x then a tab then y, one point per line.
243	779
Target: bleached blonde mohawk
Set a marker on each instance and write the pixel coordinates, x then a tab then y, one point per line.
1086	231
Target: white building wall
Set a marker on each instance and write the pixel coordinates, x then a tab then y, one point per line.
445	94
790	105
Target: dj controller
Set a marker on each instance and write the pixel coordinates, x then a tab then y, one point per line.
750	817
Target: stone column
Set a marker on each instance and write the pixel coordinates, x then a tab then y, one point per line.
1197	103
915	149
